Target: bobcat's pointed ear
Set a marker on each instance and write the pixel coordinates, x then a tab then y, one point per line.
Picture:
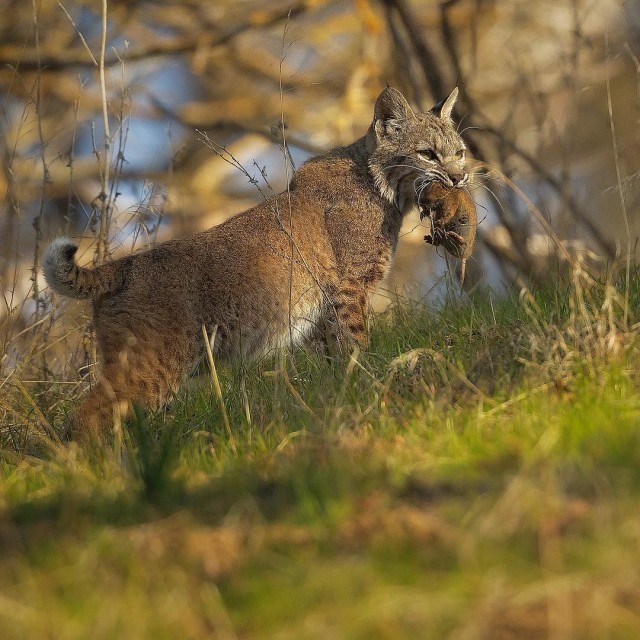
391	108
444	108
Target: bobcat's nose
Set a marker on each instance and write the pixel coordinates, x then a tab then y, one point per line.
458	179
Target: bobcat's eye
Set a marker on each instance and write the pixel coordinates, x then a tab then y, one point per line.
460	154
429	154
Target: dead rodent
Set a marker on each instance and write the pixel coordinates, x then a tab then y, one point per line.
453	220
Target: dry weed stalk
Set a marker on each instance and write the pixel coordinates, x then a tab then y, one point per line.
595	331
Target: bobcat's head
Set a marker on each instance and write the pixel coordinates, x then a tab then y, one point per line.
408	151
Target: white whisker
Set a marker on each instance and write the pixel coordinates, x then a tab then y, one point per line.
495	197
469	128
460	124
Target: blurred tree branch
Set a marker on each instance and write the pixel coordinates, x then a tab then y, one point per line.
273	133
29	59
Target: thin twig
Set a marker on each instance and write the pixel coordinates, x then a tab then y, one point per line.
102	247
37	221
79	34
283	133
616	162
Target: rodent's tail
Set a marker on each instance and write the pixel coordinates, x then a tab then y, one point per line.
65	277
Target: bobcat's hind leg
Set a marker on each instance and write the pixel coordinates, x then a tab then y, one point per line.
100	412
141	380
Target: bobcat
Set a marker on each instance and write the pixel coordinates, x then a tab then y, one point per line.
268	277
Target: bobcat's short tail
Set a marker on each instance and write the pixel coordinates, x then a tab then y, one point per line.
65	277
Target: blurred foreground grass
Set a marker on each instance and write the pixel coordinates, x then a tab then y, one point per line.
474	474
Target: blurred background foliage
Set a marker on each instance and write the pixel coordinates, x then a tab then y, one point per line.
549	106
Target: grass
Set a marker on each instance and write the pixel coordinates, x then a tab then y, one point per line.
474	474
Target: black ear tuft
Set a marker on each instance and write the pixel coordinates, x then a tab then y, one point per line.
444	108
